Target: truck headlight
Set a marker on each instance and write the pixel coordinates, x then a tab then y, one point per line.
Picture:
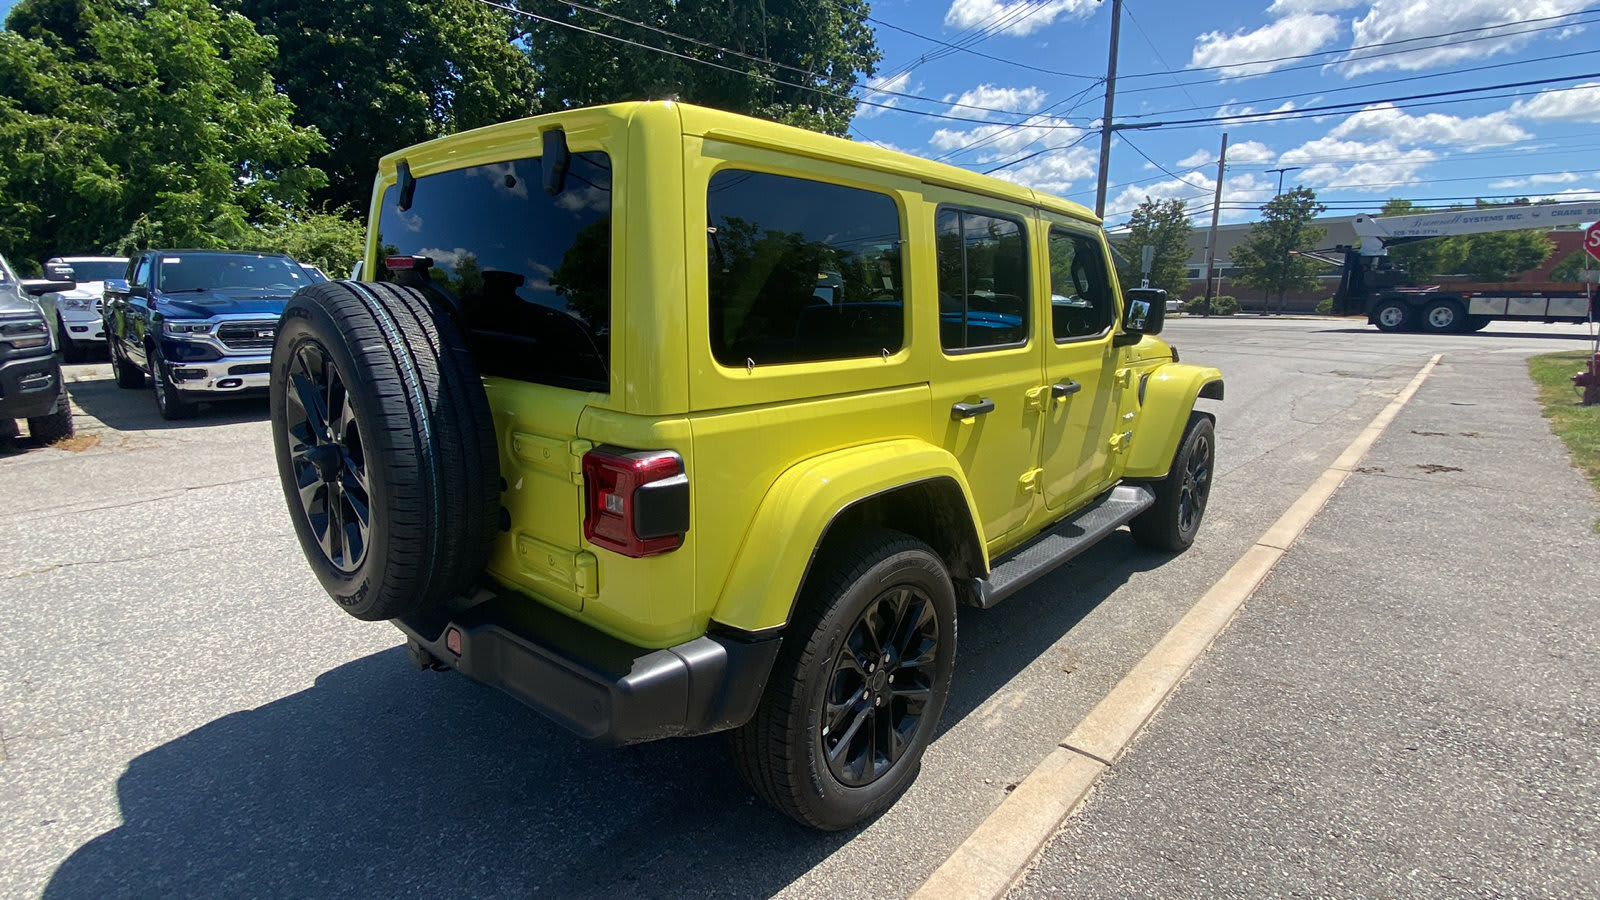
186	329
26	334
76	301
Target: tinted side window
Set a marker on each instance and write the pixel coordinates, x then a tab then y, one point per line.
530	273
1081	301
141	271
983	280
801	270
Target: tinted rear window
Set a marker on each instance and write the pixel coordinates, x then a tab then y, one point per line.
531	273
801	270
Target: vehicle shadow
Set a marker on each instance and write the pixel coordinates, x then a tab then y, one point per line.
378	781
124	409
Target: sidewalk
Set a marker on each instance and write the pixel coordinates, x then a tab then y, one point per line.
1410	704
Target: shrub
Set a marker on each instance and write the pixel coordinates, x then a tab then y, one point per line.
1325	306
1220	306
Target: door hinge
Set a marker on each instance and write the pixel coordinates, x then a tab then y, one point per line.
1120	442
1029	482
575	452
1038	398
1125	378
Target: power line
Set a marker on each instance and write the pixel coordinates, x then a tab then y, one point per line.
1373	84
1001	59
1312	111
1425	37
1161	167
1081	97
1080	139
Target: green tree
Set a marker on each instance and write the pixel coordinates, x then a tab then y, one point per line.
331	241
1266	260
140	124
378	75
1164	225
830	44
1493	256
1572	266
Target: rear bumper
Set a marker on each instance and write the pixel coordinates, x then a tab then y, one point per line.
29	387
597	686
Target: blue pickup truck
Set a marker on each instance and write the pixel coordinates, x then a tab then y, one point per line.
199	323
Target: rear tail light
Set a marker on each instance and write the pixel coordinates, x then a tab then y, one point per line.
635	502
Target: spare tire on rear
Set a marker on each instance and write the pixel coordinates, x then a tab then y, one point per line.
385	445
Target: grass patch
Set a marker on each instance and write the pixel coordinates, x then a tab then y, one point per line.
1577	425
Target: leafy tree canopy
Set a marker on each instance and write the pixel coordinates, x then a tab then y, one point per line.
1164	225
127	125
1495	256
1265	258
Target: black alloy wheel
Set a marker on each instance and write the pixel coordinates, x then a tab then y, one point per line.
327	457
877	694
1195	488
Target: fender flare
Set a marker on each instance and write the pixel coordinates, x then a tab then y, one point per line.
804	503
1167	396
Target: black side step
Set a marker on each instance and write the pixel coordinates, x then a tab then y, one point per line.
1060	543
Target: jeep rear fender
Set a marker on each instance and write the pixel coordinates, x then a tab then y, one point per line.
826	493
1167	397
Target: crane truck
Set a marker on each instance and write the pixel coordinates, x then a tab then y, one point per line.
1391	300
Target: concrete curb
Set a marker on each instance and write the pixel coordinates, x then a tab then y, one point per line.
998	852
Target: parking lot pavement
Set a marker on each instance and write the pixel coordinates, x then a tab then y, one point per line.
186	714
1409	706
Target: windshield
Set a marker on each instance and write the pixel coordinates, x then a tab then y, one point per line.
225	271
5	270
96	269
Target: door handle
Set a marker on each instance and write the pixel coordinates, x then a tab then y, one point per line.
1061	390
960	411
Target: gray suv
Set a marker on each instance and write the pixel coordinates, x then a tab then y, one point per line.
31	386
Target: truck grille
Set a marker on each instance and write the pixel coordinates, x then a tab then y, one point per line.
247	335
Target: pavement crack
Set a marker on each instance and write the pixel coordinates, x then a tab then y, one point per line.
1081	752
95	562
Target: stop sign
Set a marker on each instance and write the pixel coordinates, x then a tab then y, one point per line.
1591	240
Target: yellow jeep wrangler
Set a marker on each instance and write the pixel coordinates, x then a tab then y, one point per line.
668	421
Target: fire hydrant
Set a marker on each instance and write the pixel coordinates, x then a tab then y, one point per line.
1590	382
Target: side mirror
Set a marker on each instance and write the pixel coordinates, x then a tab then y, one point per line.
35	287
1144	312
138	290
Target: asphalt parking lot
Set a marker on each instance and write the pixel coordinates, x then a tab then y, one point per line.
183	712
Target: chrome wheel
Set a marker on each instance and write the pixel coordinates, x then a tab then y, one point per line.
1392	316
327	456
880	685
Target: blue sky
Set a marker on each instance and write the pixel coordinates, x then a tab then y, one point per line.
1186	60
1033	97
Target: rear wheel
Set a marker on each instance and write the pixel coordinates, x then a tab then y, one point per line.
1478	323
859	685
385	447
1444	317
1392	315
1172	523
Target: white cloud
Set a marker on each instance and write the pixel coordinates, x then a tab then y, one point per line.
1290	36
1294	7
1580	103
1000	141
1242	152
1055	172
1384	120
1388	21
1025	99
445	257
1241	194
1018	18
1331	163
1535	181
873	89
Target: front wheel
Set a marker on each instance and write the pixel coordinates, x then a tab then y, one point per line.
129	376
170	402
1181	497
55	425
1393	315
859	685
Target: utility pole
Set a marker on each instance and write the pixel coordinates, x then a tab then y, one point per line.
1216	209
1105	119
1280	176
